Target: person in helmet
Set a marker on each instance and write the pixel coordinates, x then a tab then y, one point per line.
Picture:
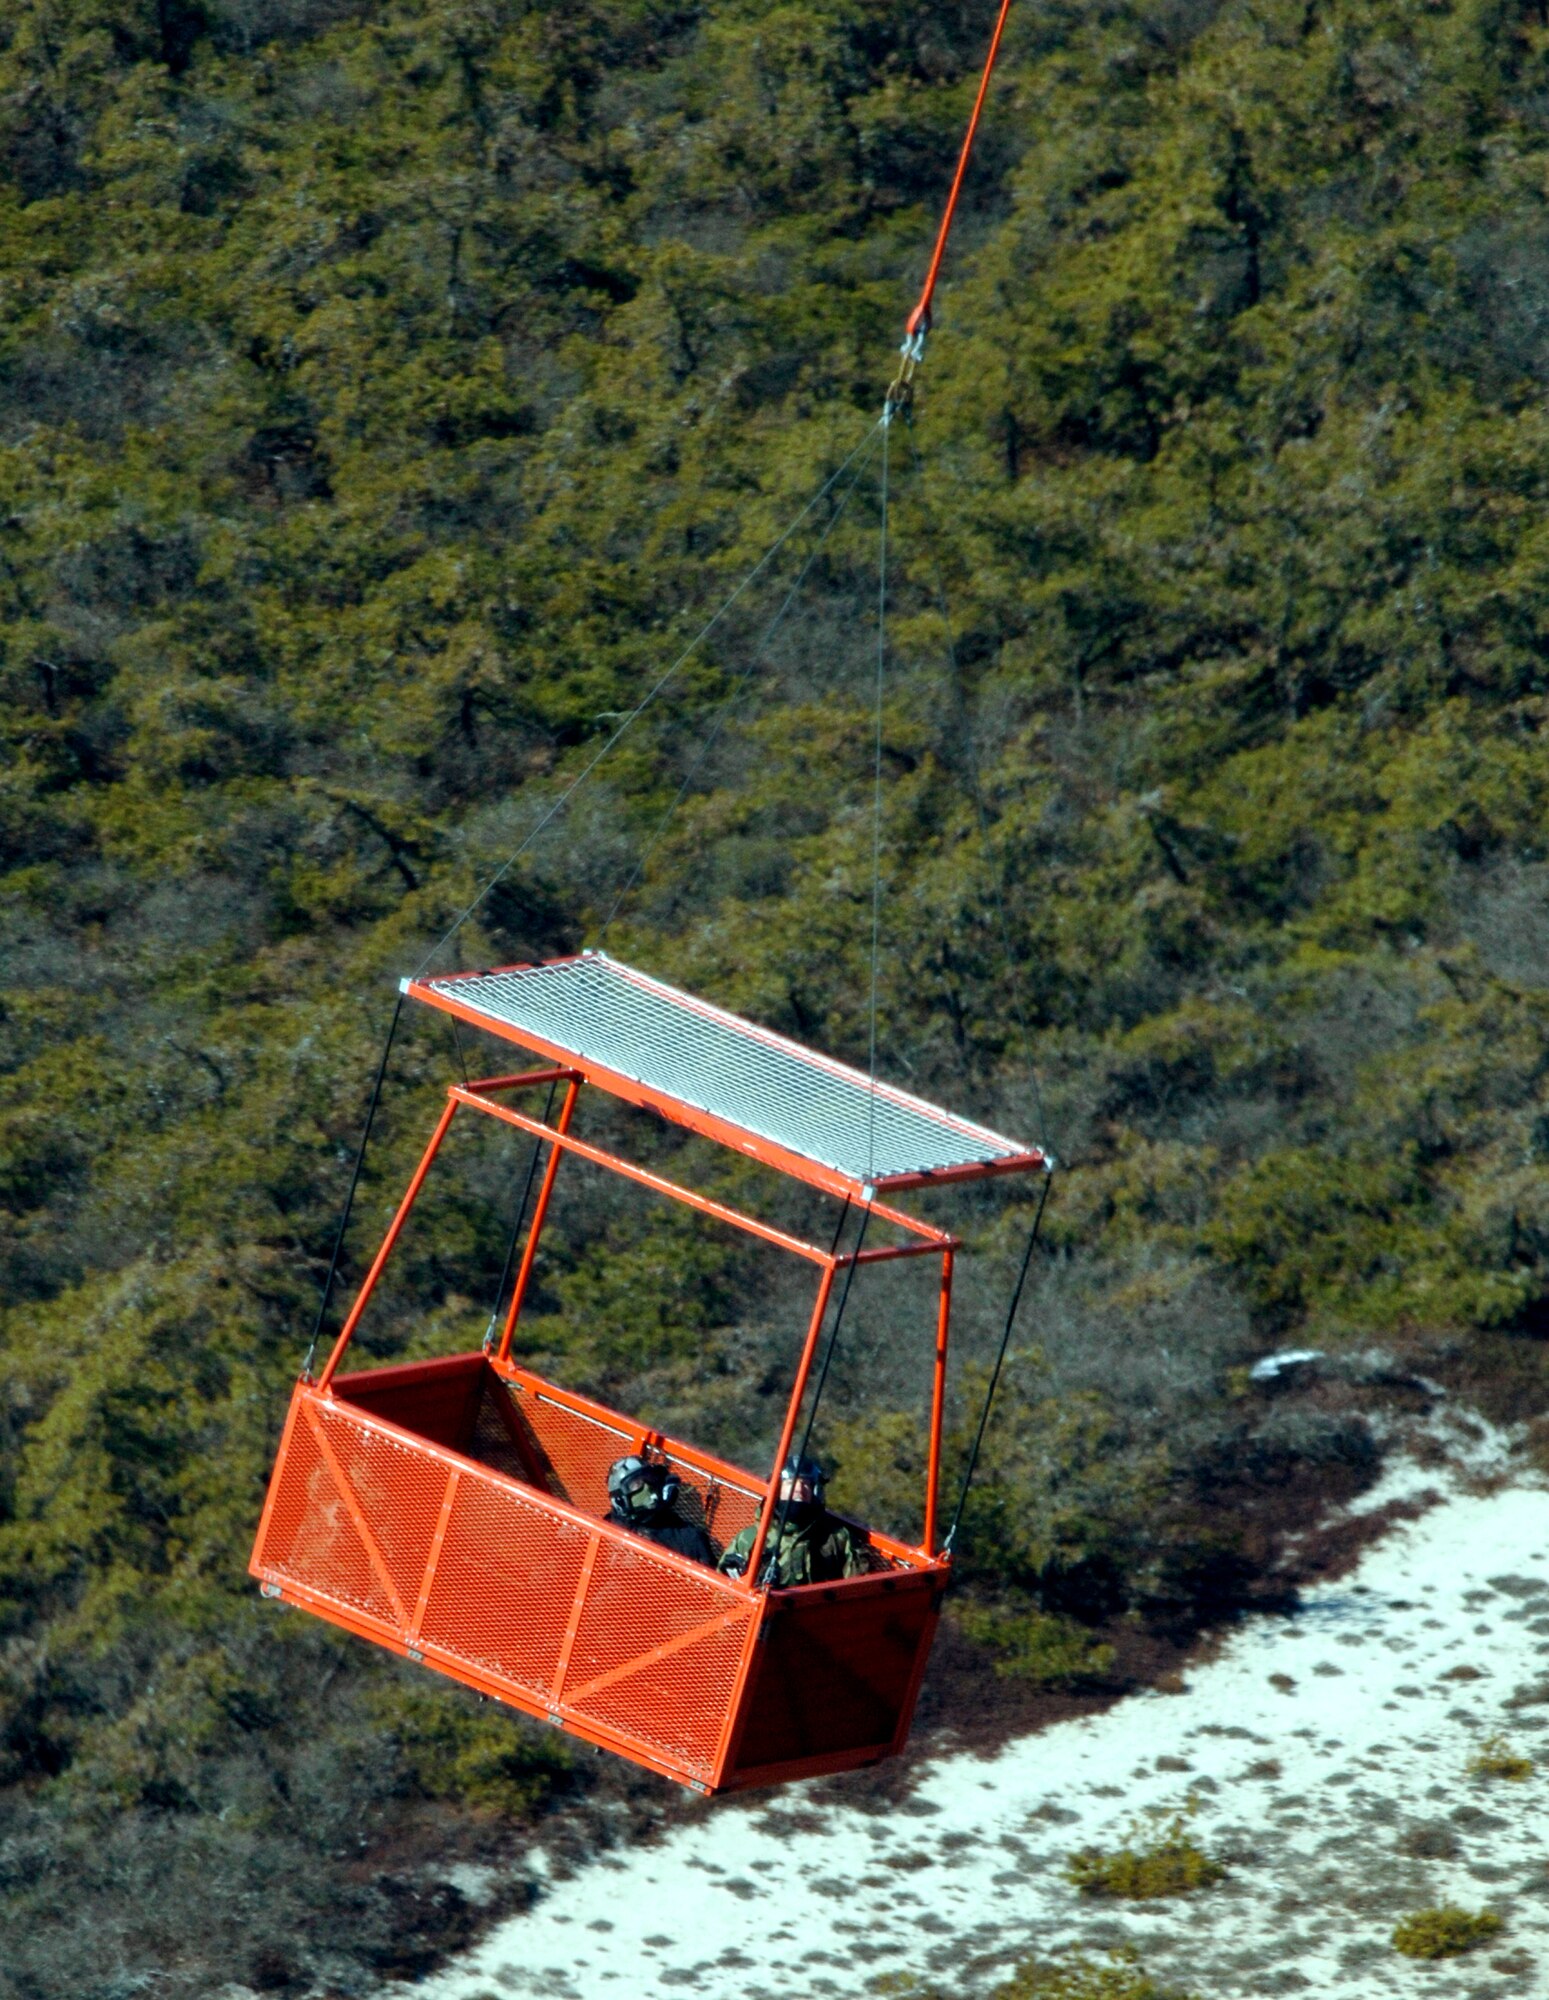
642	1496
806	1543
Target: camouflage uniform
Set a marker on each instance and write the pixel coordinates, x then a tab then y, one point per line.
817	1550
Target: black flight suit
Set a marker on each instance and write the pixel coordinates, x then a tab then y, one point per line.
684	1538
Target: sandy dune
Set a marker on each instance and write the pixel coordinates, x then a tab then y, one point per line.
1324	1755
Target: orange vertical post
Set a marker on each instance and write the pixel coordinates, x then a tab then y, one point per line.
804	1369
541	1209
938	1401
387	1243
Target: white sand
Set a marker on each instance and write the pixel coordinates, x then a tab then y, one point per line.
1371	1740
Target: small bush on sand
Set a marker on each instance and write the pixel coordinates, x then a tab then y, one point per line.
1073	1976
1117	1976
1169	1862
1495	1758
1444	1933
1431	1840
450	1749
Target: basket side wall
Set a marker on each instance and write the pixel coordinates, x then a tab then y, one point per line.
405	1542
835	1676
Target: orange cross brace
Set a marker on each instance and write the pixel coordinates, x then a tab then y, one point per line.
347	1494
665	1651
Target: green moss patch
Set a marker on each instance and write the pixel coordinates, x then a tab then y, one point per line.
1117	1975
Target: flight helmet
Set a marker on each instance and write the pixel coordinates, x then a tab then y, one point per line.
640	1487
800	1466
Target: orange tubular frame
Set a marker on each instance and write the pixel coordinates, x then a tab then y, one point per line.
937	1403
530	1249
928	1241
394	1230
454	1511
788	1429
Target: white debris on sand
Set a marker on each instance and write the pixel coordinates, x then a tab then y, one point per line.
1325	1754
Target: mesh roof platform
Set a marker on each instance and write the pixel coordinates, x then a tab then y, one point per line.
724	1076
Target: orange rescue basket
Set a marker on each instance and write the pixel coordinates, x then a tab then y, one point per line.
455	1511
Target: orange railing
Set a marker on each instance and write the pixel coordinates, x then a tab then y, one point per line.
453	1510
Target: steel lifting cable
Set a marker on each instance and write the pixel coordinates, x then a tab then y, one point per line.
876	805
349	1199
634	715
915	330
976	789
1005	1342
844	1300
784	1514
516	1225
457	1048
644	703
897	401
912	351
1022	1029
728	705
917	326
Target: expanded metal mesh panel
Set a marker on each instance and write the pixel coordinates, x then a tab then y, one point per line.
573	1451
505	1585
311	1539
398	1491
494	1440
603	1013
676	1705
433	1402
290	1503
721	1509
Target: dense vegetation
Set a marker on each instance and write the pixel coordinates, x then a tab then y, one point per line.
390	389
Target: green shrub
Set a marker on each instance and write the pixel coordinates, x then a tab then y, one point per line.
1495	1758
1037	1646
1117	1976
450	1747
1444	1932
1167	1863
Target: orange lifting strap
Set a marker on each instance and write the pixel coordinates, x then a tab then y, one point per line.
919	320
456	1511
918	323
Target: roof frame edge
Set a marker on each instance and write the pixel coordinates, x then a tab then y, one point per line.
707	1124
